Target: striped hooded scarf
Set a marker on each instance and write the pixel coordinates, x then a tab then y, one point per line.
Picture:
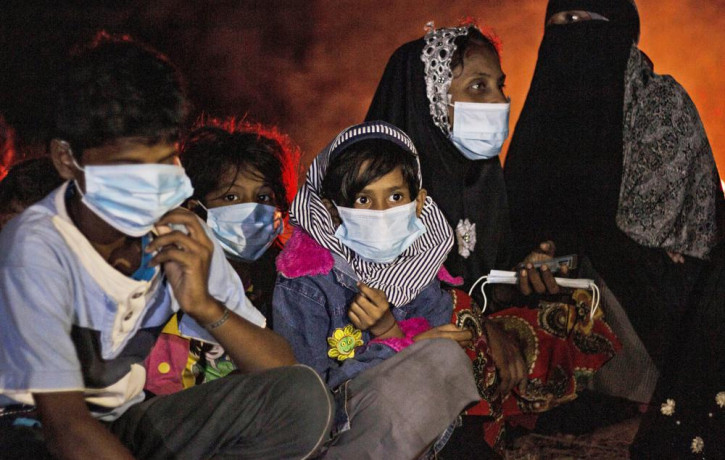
407	275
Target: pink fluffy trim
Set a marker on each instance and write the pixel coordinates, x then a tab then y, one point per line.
303	256
447	278
410	328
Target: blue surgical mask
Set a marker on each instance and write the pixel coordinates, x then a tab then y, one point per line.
480	129
379	236
247	230
132	198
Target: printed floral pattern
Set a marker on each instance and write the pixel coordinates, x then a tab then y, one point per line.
669	179
668	407
465	237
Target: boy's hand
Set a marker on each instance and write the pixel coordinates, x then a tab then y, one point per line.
464	337
186	260
370	310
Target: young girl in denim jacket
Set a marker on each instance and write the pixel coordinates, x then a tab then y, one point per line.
357	296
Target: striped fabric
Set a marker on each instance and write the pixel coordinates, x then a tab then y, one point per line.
403	278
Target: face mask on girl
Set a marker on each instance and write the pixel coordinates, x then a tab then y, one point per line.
379	236
246	230
132	198
480	129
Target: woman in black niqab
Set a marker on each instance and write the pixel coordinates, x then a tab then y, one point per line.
610	160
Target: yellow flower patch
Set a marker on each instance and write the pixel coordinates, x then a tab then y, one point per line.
343	342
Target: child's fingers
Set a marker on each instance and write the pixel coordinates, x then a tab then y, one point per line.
375	295
355	320
365	318
375	311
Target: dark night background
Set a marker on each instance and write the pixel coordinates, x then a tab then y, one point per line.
311	67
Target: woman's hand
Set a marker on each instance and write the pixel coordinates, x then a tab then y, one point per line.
539	280
370	310
507	357
464	337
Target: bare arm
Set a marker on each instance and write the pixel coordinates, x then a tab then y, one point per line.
71	432
186	260
251	347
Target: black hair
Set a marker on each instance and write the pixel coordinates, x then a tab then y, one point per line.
217	147
474	37
28	182
114	88
344	178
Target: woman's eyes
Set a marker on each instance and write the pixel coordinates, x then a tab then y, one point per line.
264	198
230	197
568	17
478	86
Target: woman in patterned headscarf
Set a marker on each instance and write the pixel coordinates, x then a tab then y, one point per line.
415	94
446	90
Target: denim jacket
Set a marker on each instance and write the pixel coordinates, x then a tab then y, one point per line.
311	299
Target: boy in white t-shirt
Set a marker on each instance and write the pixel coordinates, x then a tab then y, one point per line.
89	276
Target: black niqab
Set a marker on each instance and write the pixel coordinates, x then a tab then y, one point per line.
564	166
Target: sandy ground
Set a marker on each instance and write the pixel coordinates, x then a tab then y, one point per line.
609	442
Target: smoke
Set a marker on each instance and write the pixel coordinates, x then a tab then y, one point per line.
311	67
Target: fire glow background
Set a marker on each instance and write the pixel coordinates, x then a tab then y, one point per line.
311	66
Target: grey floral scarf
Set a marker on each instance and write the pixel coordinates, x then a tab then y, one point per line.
669	181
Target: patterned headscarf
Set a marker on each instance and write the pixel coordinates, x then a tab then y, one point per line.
670	187
403	278
440	46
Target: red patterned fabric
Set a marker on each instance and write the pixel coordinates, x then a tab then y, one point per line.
562	348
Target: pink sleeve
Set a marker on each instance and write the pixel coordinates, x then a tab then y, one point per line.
410	328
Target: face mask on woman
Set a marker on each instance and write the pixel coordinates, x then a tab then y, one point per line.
245	230
132	198
379	236
480	129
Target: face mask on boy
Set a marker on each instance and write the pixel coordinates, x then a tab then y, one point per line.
245	230
379	236
132	198
480	129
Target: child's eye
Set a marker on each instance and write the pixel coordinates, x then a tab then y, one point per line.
230	197
264	198
396	197
362	200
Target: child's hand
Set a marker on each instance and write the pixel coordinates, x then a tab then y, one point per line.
370	311
464	337
186	260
